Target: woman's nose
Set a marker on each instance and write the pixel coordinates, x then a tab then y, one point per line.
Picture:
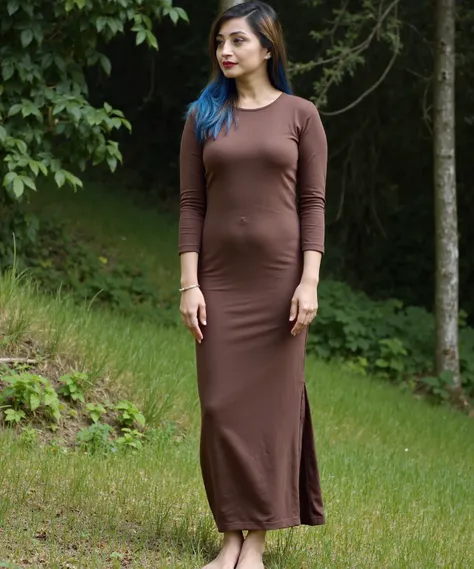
226	48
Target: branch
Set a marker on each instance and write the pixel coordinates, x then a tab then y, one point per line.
370	90
17	361
364	44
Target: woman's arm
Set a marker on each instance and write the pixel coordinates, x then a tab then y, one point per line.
312	168
192	191
191	221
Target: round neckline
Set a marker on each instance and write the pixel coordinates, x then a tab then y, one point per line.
261	108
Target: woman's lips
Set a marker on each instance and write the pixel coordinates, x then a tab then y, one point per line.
228	64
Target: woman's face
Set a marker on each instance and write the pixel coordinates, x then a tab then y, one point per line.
239	51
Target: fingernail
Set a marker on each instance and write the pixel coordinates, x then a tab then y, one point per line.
205	323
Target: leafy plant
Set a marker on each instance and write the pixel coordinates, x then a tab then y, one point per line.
74	385
129	414
58	260
14	416
439	386
96	411
96	438
386	339
131	439
48	125
29	436
30	392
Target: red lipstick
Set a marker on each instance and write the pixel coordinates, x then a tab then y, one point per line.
228	64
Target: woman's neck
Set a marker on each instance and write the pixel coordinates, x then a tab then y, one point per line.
255	92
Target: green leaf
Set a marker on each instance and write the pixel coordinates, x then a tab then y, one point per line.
3	134
151	39
59	107
43	168
9	178
15	109
75	111
112	162
141	37
100	23
29	182
73	180
7	71
18	187
34	167
35	401
60	178
106	65
50	399
26	37
127	125
173	14
21	145
182	14
12	6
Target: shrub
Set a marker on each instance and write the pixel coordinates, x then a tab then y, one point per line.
29	392
96	438
386	339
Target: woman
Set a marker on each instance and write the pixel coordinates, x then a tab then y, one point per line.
253	168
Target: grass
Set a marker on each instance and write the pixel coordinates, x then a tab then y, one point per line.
396	472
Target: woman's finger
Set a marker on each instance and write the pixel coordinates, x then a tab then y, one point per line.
203	314
293	309
310	315
300	320
194	328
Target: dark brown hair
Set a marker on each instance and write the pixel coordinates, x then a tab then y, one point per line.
264	22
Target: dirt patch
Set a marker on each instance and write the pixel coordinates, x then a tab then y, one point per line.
27	357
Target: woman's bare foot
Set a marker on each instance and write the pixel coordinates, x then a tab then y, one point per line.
229	553
251	554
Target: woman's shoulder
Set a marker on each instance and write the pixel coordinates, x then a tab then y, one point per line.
304	107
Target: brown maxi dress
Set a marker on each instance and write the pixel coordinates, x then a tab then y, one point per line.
251	202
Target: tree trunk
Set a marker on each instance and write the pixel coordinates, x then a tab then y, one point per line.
447	263
226	4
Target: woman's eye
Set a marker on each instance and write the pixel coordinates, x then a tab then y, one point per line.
238	40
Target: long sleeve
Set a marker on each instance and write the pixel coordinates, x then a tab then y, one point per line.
192	191
312	168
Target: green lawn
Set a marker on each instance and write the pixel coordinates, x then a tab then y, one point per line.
396	472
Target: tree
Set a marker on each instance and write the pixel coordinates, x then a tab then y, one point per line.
447	255
47	124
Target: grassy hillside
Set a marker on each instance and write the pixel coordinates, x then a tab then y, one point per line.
396	472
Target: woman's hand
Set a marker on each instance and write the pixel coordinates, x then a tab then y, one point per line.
304	306
193	311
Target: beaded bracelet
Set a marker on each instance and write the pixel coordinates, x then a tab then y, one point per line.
189	287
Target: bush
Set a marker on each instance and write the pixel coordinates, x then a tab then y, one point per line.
59	261
385	338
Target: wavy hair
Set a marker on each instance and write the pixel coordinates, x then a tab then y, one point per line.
215	107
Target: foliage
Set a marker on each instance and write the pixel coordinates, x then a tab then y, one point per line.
74	385
47	121
48	124
28	392
386	339
95	438
129	414
23	393
60	260
130	440
345	40
96	411
29	436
